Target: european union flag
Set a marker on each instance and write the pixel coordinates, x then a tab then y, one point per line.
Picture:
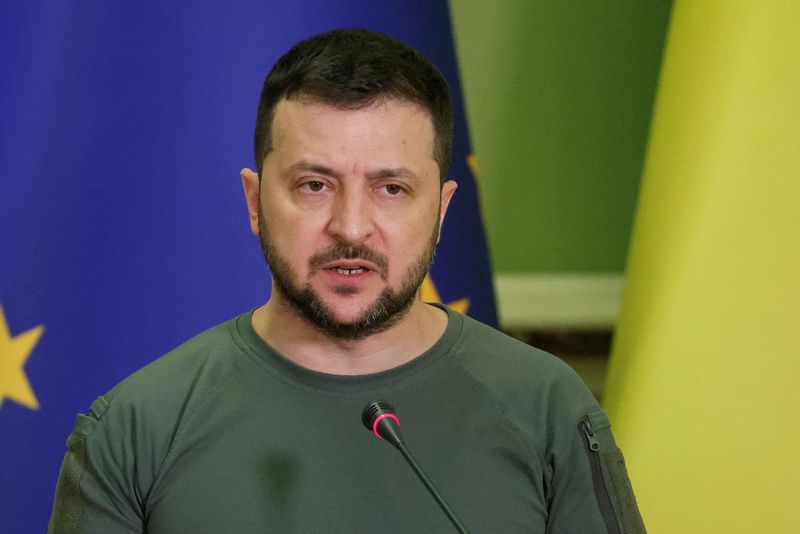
123	228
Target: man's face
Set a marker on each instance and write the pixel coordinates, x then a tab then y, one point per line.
349	211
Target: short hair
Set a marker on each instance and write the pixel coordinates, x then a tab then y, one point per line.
353	68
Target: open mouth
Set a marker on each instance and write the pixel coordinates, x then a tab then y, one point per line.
349	272
355	261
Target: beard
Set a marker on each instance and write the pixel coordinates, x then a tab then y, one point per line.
387	309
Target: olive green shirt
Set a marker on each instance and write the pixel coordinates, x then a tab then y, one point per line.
226	435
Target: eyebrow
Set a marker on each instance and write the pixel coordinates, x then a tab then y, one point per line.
307	166
395	172
398	172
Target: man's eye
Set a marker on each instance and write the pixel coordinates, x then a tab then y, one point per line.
394	189
315	186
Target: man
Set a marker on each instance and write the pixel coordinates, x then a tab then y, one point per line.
254	425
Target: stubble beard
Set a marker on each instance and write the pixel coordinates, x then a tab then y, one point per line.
387	309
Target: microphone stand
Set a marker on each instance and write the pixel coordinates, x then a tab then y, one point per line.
379	417
428	484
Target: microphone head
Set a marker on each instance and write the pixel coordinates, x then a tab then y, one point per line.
379	418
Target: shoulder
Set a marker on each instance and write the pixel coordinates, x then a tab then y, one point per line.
498	359
158	396
526	383
142	415
197	363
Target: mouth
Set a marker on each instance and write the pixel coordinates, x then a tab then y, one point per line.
350	271
349	262
347	272
349	267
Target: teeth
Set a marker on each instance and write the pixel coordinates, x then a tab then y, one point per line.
359	270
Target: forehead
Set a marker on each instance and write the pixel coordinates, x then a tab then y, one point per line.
388	126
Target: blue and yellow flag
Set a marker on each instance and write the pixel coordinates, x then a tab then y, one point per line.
123	228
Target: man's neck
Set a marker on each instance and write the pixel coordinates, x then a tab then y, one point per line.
291	335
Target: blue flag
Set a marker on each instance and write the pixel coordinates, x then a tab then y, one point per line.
123	227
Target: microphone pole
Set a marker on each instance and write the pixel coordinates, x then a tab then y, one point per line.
380	419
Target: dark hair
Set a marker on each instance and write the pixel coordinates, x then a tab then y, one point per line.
353	69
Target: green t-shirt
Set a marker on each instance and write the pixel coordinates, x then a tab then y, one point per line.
226	435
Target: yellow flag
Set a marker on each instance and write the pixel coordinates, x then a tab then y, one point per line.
704	382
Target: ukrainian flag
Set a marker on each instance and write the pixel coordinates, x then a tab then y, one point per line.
703	385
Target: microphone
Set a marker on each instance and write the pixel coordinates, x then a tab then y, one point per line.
379	417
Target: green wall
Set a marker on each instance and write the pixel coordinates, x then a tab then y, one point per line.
559	96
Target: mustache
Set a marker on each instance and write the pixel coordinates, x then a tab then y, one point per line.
341	251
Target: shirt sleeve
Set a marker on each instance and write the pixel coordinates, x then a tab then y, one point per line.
95	491
591	491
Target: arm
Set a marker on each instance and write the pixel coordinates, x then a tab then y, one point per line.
95	492
591	491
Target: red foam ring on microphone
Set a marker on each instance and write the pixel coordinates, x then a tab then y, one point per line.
378	420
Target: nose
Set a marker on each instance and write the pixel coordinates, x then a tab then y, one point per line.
351	218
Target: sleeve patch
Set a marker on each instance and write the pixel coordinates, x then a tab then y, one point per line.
67	509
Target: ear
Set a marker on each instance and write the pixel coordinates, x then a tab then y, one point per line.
448	188
252	190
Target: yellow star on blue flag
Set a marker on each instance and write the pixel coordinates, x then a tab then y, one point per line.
14	352
429	293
